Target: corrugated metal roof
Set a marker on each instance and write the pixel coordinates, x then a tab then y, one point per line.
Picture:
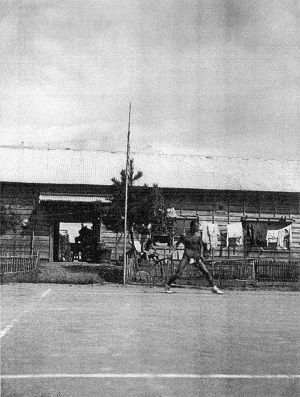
171	171
73	198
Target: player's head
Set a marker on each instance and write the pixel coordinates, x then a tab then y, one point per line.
194	226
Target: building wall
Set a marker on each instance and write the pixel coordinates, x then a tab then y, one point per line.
23	201
19	200
223	208
212	206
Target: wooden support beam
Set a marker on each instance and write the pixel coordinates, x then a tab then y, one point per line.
228	219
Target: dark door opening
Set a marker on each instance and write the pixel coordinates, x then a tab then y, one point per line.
77	242
74	241
68	218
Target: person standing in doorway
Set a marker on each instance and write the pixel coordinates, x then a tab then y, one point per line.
193	249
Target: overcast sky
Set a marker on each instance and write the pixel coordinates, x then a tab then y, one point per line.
208	77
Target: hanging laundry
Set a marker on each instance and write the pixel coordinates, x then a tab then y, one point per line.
260	234
205	239
282	234
280	238
250	234
235	230
289	228
171	213
272	236
205	235
210	233
214	232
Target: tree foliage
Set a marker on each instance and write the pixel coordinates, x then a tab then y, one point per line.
146	206
114	218
8	219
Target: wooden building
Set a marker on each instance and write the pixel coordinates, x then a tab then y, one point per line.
46	188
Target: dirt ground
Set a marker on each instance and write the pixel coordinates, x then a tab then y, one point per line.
109	340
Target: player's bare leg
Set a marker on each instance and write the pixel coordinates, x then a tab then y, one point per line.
207	275
181	266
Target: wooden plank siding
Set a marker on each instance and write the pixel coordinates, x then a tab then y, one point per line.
23	200
220	207
113	242
19	200
231	207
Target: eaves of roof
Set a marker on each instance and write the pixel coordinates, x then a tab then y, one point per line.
58	166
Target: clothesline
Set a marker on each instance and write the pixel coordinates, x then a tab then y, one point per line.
263	219
235	230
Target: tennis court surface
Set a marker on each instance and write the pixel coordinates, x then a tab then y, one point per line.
61	340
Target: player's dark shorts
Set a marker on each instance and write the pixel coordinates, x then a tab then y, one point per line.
191	254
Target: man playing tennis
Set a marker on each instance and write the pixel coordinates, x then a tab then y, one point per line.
193	249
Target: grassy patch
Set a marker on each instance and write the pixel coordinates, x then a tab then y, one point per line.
79	273
62	273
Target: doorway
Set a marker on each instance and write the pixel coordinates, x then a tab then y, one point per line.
74	245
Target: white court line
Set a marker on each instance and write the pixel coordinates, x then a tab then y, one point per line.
7	328
15	320
137	293
45	293
149	376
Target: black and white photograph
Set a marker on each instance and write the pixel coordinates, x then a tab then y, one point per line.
150	198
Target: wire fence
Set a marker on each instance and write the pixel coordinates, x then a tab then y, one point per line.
279	271
19	263
158	272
